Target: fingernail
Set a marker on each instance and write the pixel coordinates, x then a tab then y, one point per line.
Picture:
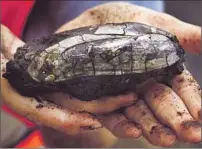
190	131
166	136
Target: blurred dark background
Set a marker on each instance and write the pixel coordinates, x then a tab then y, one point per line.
191	12
186	10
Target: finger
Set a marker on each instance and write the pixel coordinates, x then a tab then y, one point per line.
99	106
189	91
189	35
9	42
120	126
155	132
170	109
45	113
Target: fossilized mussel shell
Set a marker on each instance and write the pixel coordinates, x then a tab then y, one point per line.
95	61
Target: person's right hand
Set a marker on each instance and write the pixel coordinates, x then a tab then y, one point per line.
165	113
162	106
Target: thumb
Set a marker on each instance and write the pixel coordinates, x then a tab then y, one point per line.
9	42
189	35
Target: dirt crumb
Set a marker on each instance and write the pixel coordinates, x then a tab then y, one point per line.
180	80
154	129
143	113
39	106
199	114
180	113
92	13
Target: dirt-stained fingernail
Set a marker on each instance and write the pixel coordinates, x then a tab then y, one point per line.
190	131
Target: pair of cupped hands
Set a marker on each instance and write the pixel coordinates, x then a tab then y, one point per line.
163	115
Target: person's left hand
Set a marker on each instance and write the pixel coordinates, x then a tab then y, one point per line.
53	115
